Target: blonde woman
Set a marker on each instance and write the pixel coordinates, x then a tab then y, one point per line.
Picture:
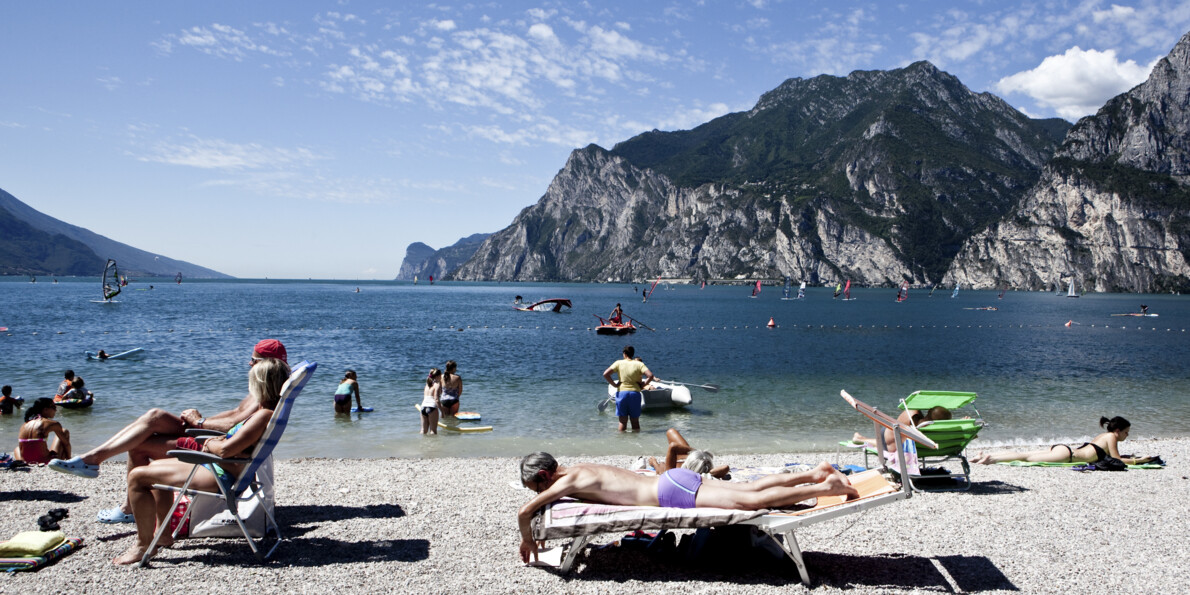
265	379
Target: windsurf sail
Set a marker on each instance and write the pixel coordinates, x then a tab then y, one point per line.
788	287
552	304
932	290
903	294
178	278
704	285
1070	290
756	289
847	290
111	280
431	279
650	294
838	289
955	293
1001	296
801	291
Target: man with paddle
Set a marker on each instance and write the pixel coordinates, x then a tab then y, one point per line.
628	387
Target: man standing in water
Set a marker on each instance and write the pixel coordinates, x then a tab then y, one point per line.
628	387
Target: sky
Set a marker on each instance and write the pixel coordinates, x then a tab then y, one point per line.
299	139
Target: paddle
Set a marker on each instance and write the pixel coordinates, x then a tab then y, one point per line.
711	388
604	403
643	325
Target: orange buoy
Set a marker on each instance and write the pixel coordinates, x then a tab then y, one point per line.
1069	322
771	324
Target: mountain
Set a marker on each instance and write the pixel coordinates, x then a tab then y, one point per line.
40	244
879	176
1111	211
422	260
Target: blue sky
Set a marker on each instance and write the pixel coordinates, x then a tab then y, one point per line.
318	139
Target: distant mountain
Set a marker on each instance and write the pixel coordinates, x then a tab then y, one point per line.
879	176
423	261
34	242
1111	211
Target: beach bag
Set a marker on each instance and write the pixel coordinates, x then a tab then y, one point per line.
177	516
1109	463
210	517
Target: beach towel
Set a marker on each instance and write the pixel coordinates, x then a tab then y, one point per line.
34	562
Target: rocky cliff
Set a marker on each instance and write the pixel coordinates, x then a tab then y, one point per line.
423	261
878	177
1111	212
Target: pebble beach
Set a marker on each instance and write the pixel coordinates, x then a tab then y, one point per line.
449	525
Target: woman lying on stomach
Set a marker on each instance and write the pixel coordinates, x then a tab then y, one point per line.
149	506
1104	445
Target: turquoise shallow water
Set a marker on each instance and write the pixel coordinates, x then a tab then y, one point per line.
535	377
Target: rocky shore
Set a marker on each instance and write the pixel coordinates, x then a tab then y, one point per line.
448	526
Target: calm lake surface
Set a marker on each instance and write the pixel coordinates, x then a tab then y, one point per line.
535	376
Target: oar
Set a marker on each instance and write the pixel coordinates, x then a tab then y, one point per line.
711	388
604	403
643	325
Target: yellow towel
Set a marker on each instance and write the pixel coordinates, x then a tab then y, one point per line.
28	544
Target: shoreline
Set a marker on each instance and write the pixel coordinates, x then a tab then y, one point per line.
448	524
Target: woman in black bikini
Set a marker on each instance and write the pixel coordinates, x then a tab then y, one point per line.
1096	450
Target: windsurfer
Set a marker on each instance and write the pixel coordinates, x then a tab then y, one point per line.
628	387
1144	309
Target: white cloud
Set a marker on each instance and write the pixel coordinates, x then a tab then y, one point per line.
221	154
1076	83
111	83
444	25
1115	13
11	124
218	40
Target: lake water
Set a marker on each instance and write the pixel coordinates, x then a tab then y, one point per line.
535	377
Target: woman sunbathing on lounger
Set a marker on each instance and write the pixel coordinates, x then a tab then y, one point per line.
149	506
677	488
1094	451
908	417
679	454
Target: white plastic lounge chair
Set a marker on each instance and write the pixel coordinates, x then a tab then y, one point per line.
245	486
580	521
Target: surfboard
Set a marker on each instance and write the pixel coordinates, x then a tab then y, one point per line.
361	409
468	416
91	355
1134	314
462	416
105	301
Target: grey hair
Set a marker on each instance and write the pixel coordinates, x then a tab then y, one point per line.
699	461
265	380
538	466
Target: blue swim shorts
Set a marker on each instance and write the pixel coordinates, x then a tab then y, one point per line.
676	488
628	403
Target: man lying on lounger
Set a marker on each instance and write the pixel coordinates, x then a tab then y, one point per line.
677	488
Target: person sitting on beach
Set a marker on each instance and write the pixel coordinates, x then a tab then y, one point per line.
908	417
348	386
158	431
35	444
265	380
1102	446
7	401
76	394
65	385
452	390
678	453
431	402
676	488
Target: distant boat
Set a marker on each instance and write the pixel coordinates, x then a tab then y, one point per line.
955	293
903	294
801	291
847	291
756	289
787	289
1070	290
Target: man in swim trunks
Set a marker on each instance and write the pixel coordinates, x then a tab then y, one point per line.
156	432
628	387
679	488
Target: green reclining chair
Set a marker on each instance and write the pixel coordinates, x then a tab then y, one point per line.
952	436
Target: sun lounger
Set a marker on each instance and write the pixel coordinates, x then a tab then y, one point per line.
245	486
580	521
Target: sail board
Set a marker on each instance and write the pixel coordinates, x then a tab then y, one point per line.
111	281
756	289
650	294
1070	290
788	287
801	291
838	290
847	291
903	294
955	293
